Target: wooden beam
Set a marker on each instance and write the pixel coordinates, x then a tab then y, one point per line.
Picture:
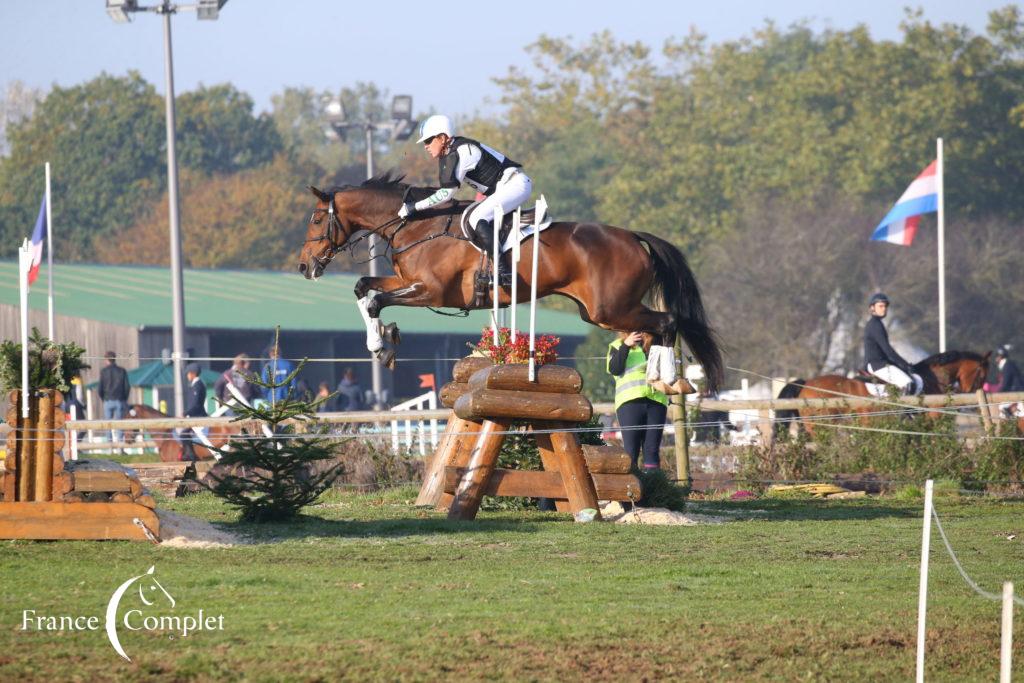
498	403
451	392
465	368
575	477
607	459
433	478
107	482
556	379
470	491
54	521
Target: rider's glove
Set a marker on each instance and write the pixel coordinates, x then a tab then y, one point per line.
407	210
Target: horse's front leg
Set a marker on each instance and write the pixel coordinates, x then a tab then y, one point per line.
370	309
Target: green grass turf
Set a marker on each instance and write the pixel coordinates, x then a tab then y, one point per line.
369	588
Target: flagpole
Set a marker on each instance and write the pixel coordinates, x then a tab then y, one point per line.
24	263
49	255
939	172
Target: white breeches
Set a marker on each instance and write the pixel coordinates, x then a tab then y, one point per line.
661	364
893	375
374	342
512	190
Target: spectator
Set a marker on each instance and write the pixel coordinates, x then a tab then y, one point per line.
277	369
195	406
235	376
640	407
350	394
1009	379
302	391
114	388
323	394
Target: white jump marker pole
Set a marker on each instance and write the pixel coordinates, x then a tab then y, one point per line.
539	211
922	597
1006	640
24	264
517	218
498	217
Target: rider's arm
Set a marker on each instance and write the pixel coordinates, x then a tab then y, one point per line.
617	360
453	169
890	353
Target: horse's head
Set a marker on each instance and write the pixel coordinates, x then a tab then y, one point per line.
326	234
972	372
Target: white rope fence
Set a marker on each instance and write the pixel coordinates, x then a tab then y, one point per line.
1007	598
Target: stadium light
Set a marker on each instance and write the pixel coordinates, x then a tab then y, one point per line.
120	11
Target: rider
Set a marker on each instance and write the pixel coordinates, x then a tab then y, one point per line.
881	359
487	170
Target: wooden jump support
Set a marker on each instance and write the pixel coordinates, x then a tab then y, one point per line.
486	399
42	497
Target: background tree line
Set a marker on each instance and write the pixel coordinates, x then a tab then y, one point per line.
768	160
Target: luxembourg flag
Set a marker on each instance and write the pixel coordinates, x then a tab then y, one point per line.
38	235
900	225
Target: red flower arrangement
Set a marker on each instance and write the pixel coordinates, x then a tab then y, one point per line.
507	351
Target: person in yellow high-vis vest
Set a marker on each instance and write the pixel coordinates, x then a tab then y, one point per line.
640	408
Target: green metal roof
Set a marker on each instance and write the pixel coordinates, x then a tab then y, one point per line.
237	299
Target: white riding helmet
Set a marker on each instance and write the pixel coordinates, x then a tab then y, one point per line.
435	125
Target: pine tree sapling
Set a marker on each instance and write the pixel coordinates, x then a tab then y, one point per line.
50	365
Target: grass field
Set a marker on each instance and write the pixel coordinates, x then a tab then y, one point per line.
369	588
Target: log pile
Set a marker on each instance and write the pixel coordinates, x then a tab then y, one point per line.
43	497
485	399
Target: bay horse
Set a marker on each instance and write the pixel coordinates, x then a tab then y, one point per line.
168	447
607	271
959	371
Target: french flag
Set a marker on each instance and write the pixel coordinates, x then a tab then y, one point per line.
900	225
38	235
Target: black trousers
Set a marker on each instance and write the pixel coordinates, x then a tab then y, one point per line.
643	423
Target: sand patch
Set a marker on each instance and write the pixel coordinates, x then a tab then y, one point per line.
181	531
614	512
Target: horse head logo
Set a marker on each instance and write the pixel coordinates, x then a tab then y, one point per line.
150	591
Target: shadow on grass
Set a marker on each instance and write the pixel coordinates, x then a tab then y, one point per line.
809	509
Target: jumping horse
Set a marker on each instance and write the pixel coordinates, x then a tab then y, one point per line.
621	280
961	371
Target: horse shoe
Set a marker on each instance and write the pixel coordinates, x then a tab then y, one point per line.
387	358
390	333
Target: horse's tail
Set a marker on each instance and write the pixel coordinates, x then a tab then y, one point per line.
675	284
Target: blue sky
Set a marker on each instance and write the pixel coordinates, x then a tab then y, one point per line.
443	53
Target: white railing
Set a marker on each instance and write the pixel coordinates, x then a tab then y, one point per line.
427	401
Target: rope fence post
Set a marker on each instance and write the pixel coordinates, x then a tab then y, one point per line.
540	208
1006	638
498	218
922	597
517	218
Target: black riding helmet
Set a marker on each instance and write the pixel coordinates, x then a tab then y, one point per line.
878	297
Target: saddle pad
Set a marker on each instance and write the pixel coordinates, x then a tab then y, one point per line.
526	230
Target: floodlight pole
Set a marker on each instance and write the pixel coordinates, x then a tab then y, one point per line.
375	366
177	280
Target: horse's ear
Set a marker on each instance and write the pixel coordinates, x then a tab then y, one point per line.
985	358
319	194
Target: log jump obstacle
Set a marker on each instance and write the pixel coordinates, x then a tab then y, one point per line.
42	497
485	400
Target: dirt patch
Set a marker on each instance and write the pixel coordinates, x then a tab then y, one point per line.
181	531
615	512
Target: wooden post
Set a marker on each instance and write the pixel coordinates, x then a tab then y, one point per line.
26	459
579	487
764	427
481	463
433	478
462	448
548	458
679	422
986	419
43	489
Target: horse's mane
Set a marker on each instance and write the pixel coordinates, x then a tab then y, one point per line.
388	181
947	357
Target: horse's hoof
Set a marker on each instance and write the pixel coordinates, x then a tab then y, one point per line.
391	334
387	358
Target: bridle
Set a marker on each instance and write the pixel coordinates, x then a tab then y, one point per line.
333	232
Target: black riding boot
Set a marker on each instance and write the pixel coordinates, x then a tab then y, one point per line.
485	240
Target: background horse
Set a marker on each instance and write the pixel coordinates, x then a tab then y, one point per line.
169	447
609	272
957	371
